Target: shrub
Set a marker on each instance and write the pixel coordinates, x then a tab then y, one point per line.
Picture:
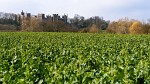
93	29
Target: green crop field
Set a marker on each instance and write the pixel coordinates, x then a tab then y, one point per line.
74	58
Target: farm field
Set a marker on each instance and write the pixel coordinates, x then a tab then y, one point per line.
74	58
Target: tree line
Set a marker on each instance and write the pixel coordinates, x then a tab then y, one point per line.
129	26
76	24
8	21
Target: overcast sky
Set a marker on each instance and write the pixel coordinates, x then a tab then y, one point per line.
109	9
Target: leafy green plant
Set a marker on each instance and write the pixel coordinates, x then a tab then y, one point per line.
74	58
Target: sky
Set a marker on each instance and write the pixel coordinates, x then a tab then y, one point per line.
108	9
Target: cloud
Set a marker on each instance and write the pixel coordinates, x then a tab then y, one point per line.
109	9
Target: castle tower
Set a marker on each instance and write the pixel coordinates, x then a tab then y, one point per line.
41	16
22	15
55	17
65	18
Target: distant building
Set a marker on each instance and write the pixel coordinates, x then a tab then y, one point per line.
56	17
65	18
28	15
49	18
24	18
25	15
34	16
41	16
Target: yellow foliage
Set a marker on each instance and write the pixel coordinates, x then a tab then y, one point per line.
125	26
136	28
121	26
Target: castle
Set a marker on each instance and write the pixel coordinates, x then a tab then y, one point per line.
42	17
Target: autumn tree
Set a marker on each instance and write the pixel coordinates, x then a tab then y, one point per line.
136	28
31	24
112	27
121	26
